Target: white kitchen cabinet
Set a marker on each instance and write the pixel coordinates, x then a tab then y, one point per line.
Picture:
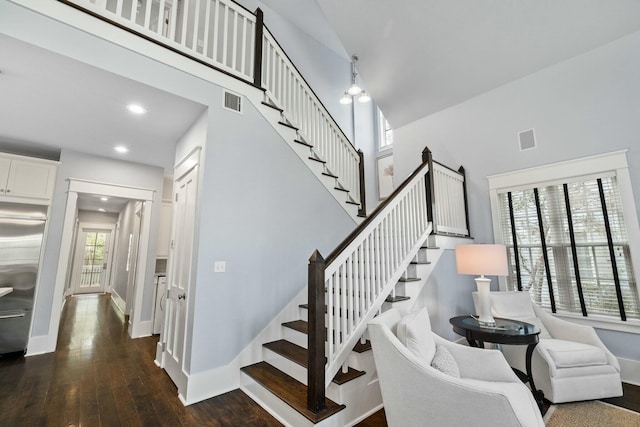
164	231
23	178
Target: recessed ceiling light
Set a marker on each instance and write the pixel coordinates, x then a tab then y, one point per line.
136	109
104	199
121	149
101	210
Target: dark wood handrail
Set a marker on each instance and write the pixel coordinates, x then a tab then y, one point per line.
351	237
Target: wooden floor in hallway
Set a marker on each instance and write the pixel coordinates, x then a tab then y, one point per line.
98	376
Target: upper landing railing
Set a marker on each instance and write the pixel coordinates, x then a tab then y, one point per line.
224	35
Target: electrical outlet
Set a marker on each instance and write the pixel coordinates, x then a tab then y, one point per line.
219	267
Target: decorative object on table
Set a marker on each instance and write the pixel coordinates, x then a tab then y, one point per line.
384	169
490	260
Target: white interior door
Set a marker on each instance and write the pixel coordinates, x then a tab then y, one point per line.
179	276
93	260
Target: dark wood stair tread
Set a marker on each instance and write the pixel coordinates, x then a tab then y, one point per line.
361	348
421	262
352	374
291	391
341	189
299	355
330	175
306	144
351	202
429	247
409	279
298	325
288	125
315	159
272	106
397	298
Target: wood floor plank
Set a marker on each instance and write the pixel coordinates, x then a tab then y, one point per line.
98	376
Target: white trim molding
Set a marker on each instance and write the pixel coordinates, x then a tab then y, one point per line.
105	189
629	371
614	163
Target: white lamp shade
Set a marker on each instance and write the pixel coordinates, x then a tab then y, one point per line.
489	260
354	89
346	99
364	97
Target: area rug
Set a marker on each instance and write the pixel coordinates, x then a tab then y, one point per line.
590	414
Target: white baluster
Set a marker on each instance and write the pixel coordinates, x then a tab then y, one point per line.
225	36
234	43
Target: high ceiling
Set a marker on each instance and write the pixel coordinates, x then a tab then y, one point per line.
49	102
418	57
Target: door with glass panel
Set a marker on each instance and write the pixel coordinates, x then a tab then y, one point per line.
92	260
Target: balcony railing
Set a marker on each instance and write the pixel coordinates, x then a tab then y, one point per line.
224	35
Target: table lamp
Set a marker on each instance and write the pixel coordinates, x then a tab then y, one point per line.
482	260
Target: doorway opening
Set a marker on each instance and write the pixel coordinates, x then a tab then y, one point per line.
89	270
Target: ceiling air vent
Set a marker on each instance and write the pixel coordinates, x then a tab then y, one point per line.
527	139
232	102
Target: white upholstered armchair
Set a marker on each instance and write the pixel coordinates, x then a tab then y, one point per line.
467	386
570	363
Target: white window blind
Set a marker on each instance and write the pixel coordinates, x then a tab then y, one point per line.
572	269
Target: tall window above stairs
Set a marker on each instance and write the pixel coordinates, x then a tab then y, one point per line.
385	133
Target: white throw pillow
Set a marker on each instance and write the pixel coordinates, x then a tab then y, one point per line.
414	331
444	362
512	305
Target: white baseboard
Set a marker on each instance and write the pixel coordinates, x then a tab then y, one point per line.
205	385
118	301
630	371
141	329
40	345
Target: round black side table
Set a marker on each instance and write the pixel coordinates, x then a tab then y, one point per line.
505	331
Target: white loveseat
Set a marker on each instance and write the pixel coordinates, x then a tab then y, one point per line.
414	393
570	363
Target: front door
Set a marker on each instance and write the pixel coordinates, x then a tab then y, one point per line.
179	276
93	259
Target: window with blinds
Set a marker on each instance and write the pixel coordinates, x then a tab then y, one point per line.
567	246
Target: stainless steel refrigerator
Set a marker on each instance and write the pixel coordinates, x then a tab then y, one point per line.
21	234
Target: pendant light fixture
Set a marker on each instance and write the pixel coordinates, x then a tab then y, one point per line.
354	90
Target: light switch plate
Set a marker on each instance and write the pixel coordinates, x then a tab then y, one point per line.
219	267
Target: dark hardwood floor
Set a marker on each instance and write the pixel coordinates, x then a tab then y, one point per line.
100	377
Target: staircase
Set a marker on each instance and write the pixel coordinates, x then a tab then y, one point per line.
316	367
385	263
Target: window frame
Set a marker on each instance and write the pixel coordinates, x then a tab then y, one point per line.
381	130
613	162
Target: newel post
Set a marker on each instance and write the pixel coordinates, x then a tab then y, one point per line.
316	335
427	157
257	48
362	212
466	201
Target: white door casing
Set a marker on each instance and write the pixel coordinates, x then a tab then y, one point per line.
179	275
66	243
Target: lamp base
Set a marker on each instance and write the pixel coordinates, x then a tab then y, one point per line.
484	316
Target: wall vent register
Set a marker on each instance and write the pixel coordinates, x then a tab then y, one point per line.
232	102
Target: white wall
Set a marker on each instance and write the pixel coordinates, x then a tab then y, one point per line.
580	107
125	228
97	217
265	217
